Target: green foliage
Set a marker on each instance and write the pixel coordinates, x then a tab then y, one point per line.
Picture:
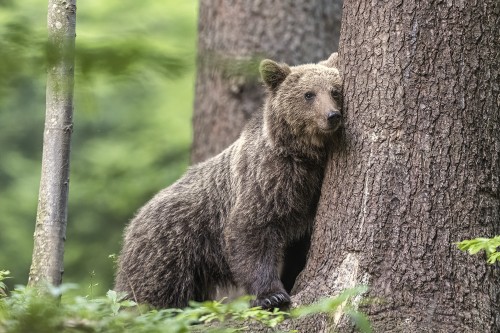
121	56
3	288
41	310
346	301
24	49
133	102
489	245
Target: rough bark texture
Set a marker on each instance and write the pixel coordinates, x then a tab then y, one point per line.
419	168
50	230
233	36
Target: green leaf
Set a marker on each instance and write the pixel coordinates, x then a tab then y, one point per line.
127	303
489	245
360	320
328	304
112	295
493	258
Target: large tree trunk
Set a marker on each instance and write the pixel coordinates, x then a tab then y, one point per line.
418	168
50	230
233	36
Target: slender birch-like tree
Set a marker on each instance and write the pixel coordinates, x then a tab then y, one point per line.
51	219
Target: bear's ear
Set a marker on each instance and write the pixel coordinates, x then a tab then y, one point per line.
273	73
332	61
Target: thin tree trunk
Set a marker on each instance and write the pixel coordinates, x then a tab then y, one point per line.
419	168
233	37
50	230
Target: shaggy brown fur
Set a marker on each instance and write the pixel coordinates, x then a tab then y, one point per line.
229	219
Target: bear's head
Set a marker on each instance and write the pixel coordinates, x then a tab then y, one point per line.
304	103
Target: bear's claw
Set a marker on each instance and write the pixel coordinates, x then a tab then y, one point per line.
275	300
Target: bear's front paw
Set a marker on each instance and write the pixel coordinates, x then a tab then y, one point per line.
275	300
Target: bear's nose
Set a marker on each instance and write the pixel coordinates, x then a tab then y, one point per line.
333	116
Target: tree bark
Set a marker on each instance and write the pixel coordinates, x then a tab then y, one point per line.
51	220
233	37
417	168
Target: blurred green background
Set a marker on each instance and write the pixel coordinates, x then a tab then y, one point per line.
135	73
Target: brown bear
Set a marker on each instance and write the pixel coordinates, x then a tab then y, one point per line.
229	219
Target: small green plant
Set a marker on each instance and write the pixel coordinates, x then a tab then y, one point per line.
92	284
489	245
43	311
3	288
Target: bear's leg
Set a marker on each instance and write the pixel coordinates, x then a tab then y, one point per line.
205	284
254	254
159	276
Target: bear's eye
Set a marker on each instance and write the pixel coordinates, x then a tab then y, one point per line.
309	95
335	94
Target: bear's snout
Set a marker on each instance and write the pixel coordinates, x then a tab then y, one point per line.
334	119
